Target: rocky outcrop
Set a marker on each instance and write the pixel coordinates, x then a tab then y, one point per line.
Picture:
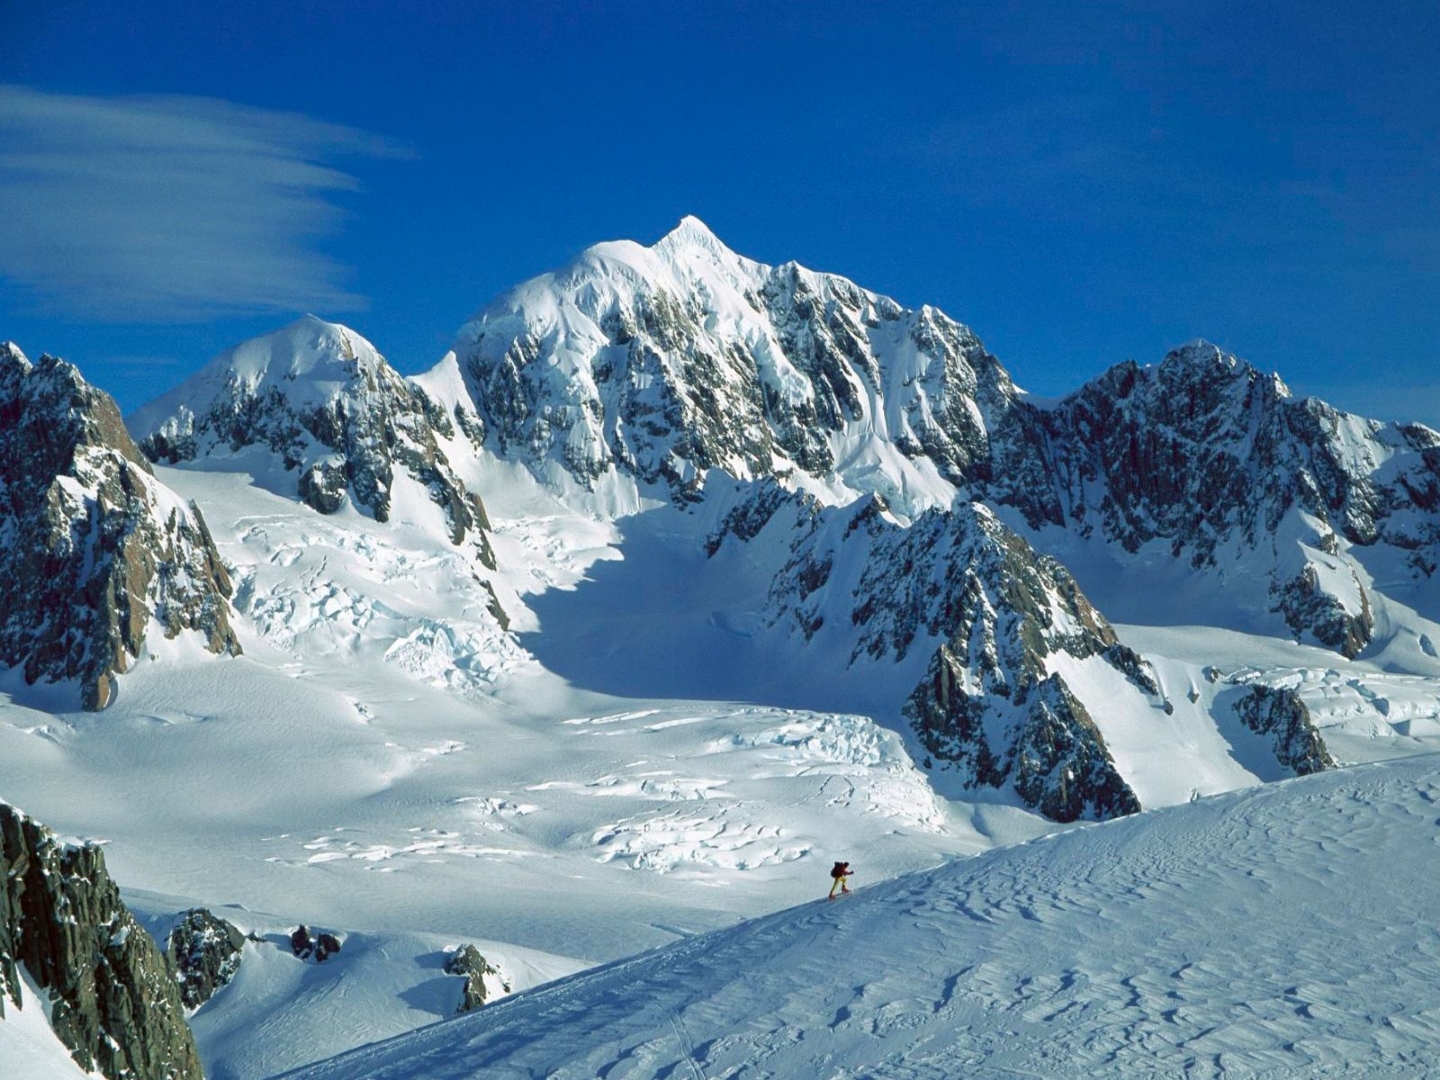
205	952
1324	613
1212	461
1280	714
1048	747
993	617
989	704
112	998
482	978
332	411
93	549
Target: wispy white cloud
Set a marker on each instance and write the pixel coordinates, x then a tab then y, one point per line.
164	208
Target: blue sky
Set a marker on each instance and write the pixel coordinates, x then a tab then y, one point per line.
1079	183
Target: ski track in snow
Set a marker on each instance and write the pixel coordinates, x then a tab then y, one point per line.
1288	930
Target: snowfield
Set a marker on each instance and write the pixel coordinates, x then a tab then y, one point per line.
1288	930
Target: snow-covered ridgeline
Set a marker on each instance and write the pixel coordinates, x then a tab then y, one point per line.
1203	460
337	420
666	362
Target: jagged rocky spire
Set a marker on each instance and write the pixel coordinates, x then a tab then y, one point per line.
113	1001
97	550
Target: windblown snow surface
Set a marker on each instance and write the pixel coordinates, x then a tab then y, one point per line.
1285	930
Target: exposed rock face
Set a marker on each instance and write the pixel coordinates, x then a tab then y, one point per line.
1215	461
477	972
1280	713
114	1002
1051	751
991	614
92	547
669	361
205	952
322	400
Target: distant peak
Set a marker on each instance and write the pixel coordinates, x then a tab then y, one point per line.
1200	354
691	227
692	234
1197	349
10	353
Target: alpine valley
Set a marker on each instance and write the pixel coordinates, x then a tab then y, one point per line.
676	579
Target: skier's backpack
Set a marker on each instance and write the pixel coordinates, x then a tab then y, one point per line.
840	869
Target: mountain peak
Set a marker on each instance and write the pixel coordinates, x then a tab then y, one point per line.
1199	351
693	236
1200	355
691	230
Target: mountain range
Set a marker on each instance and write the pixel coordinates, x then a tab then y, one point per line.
672	474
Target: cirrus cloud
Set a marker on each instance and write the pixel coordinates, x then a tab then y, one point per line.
162	208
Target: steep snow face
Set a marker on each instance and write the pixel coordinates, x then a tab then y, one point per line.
666	362
325	403
1311	952
1213	463
93	549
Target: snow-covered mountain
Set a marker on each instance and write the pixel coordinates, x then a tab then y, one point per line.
1203	462
782	572
331	411
95	552
669	361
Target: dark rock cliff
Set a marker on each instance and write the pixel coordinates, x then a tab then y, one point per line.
205	952
93	548
113	1000
1280	714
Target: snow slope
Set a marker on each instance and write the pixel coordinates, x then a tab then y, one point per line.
1287	930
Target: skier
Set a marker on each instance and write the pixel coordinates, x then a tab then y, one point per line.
839	872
